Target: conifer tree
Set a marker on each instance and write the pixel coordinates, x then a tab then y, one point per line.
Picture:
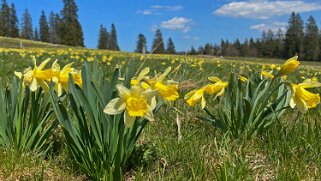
311	40
192	51
26	29
112	39
44	28
170	47
103	38
70	30
141	46
54	24
280	44
13	22
36	36
294	36
158	43
4	19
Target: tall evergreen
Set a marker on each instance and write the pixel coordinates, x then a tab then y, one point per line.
294	36
26	29
141	46
44	28
170	49
311	40
158	43
280	44
4	19
54	24
192	51
13	22
70	31
112	39
103	38
36	36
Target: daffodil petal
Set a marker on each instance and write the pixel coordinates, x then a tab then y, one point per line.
123	91
149	115
33	85
43	64
115	106
129	120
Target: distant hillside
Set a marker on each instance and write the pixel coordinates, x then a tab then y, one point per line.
6	42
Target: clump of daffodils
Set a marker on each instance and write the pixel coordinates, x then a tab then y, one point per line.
40	77
141	99
216	88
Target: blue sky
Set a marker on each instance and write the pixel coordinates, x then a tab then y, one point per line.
187	22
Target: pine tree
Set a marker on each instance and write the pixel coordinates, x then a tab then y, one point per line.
4	19
192	51
280	44
170	47
158	43
70	30
44	28
54	24
103	38
112	39
26	29
311	40
13	22
294	36
36	36
141	46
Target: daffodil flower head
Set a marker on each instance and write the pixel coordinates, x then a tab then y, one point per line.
289	66
141	76
134	103
167	90
61	77
267	75
195	96
37	76
217	88
242	78
303	99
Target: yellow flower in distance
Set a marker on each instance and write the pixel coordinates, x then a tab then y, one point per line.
267	75
36	76
195	96
243	79
167	90
302	98
289	66
217	88
61	77
134	103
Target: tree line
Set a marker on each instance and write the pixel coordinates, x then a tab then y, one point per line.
63	28
299	38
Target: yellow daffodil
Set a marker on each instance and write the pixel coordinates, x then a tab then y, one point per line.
134	103
141	76
167	90
243	79
267	75
36	76
302	98
217	88
194	96
289	66
61	77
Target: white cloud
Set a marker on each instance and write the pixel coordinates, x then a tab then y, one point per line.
157	9
265	9
195	38
168	8
275	26
177	23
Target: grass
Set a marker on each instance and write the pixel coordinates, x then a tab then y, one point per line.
178	146
6	42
